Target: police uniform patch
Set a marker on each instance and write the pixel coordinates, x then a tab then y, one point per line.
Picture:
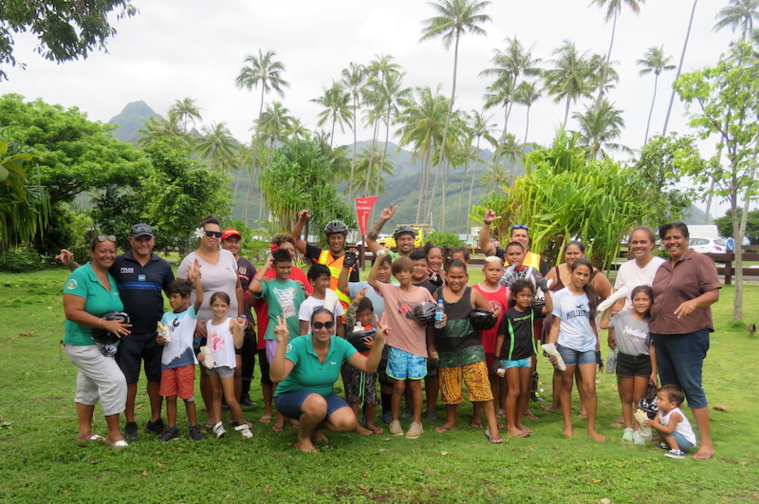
71	284
242	270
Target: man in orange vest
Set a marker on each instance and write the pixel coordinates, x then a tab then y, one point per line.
336	232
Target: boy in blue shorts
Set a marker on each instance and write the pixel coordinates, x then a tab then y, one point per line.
176	332
408	340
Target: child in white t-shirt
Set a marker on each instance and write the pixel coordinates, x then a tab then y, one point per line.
672	423
319	277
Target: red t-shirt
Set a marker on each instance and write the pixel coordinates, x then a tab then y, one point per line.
499	297
262	310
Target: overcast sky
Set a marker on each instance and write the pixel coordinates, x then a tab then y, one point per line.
195	48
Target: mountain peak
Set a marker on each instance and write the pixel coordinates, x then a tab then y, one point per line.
129	120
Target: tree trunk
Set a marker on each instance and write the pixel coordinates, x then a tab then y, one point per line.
608	59
251	182
461	194
428	215
420	204
527	127
651	110
471	189
738	299
441	223
450	106
566	112
371	158
679	67
502	140
353	161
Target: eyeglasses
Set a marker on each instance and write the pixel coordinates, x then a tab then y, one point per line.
215	234
102	238
521	226
325	325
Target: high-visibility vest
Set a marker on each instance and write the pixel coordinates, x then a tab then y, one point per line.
532	259
335	266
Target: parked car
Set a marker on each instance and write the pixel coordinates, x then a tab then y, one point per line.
704	245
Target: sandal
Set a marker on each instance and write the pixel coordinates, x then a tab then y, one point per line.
493	439
475	425
375	430
442	429
118	445
531	416
265	419
277	428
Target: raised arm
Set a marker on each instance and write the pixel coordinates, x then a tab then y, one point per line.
280	367
372	278
373	234
300	243
256	283
67	259
193	276
484	241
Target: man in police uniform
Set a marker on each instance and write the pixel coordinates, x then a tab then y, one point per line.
141	276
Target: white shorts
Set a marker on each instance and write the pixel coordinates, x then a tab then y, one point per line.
99	379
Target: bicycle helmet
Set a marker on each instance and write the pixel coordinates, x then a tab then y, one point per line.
424	313
402	230
104	336
482	320
336	226
356	338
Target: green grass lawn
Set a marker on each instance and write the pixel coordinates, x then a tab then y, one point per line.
43	462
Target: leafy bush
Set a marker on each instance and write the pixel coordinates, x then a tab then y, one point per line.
19	260
444	239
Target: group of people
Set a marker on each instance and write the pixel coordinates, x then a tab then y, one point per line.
414	319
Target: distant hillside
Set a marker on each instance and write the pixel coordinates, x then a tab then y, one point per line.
130	120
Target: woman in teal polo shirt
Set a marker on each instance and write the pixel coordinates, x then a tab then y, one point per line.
90	292
307	369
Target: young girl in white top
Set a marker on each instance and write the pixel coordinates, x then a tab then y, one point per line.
574	333
672	424
224	335
636	359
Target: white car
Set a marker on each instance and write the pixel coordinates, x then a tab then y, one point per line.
704	245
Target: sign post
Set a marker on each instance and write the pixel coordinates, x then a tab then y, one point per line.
363	209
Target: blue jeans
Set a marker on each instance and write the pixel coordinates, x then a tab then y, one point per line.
680	359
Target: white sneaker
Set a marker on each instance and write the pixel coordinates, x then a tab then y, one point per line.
208	357
244	431
414	431
395	428
628	435
219	430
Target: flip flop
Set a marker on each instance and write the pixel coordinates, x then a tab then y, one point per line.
703	456
493	439
617	425
531	416
375	430
277	428
265	419
475	425
118	445
442	429
365	432
95	437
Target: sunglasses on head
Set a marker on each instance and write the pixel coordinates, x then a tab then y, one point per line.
102	238
325	325
520	226
214	234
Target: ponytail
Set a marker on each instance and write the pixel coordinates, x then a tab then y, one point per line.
590	291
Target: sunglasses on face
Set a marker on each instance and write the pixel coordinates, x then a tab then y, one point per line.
214	234
102	238
520	226
325	325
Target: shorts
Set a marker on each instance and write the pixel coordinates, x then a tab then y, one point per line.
680	360
382	376
99	379
263	365
575	357
134	348
629	366
521	363
682	443
475	376
221	371
178	382
271	349
402	365
360	387
289	404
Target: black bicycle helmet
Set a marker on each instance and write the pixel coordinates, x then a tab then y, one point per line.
402	230
482	320
424	312
104	336
336	226
649	405
356	338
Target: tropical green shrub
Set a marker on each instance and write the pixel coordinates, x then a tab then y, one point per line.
444	239
20	260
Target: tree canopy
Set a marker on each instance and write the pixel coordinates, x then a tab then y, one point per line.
65	30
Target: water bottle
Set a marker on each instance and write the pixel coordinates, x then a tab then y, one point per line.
439	311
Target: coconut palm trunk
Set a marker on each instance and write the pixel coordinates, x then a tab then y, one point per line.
679	67
651	110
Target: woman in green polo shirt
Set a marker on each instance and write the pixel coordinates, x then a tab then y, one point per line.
307	369
90	292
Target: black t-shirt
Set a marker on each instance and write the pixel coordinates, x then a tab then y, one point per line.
140	289
426	284
543	268
523	345
245	272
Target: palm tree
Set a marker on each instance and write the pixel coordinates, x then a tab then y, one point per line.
679	66
527	94
509	65
568	80
335	102
654	61
378	71
613	8
186	110
367	160
353	79
739	14
599	126
267	72
294	129
156	128
274	122
480	128
216	145
454	18
601	74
